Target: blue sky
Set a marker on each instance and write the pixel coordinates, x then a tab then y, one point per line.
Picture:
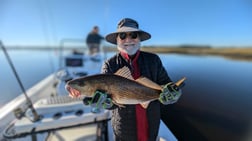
170	22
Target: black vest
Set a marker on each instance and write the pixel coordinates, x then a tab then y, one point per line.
124	119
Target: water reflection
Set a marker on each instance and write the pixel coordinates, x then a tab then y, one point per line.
217	97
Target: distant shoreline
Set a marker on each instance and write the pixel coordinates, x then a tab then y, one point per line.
231	53
243	53
237	53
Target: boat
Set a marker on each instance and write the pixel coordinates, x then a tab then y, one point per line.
45	112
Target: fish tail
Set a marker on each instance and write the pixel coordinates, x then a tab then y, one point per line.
180	83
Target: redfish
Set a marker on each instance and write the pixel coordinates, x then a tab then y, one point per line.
122	88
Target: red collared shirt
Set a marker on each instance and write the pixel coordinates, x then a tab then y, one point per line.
141	115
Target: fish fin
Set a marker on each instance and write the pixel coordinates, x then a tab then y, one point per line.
124	72
145	104
178	83
119	105
148	83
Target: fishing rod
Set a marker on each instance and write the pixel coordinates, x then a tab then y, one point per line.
29	103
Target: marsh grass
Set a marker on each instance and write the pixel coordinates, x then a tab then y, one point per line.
238	53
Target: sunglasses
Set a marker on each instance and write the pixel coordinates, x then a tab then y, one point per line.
132	35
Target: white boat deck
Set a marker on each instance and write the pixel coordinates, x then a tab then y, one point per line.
65	120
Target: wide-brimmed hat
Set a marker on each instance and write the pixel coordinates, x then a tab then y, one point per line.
127	25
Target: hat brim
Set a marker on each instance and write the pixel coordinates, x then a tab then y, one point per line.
142	34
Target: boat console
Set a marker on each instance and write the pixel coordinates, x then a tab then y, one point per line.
77	65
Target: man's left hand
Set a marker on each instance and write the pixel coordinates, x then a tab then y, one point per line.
170	94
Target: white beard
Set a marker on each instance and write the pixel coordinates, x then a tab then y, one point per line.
129	48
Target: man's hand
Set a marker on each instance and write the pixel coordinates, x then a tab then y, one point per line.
170	94
98	101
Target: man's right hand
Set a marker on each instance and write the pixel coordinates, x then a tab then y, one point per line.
98	101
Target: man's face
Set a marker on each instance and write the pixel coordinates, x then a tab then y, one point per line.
128	42
96	30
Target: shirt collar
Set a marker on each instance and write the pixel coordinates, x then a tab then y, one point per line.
130	58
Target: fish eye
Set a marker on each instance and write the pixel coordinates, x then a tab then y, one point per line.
81	83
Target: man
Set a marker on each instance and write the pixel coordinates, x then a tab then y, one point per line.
93	40
136	122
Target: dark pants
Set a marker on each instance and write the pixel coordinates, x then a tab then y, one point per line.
93	48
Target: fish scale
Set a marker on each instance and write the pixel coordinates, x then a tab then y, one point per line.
121	86
122	90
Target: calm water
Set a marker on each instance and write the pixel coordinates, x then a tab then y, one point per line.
32	66
216	101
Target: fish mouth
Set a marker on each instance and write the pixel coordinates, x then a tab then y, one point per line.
73	92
